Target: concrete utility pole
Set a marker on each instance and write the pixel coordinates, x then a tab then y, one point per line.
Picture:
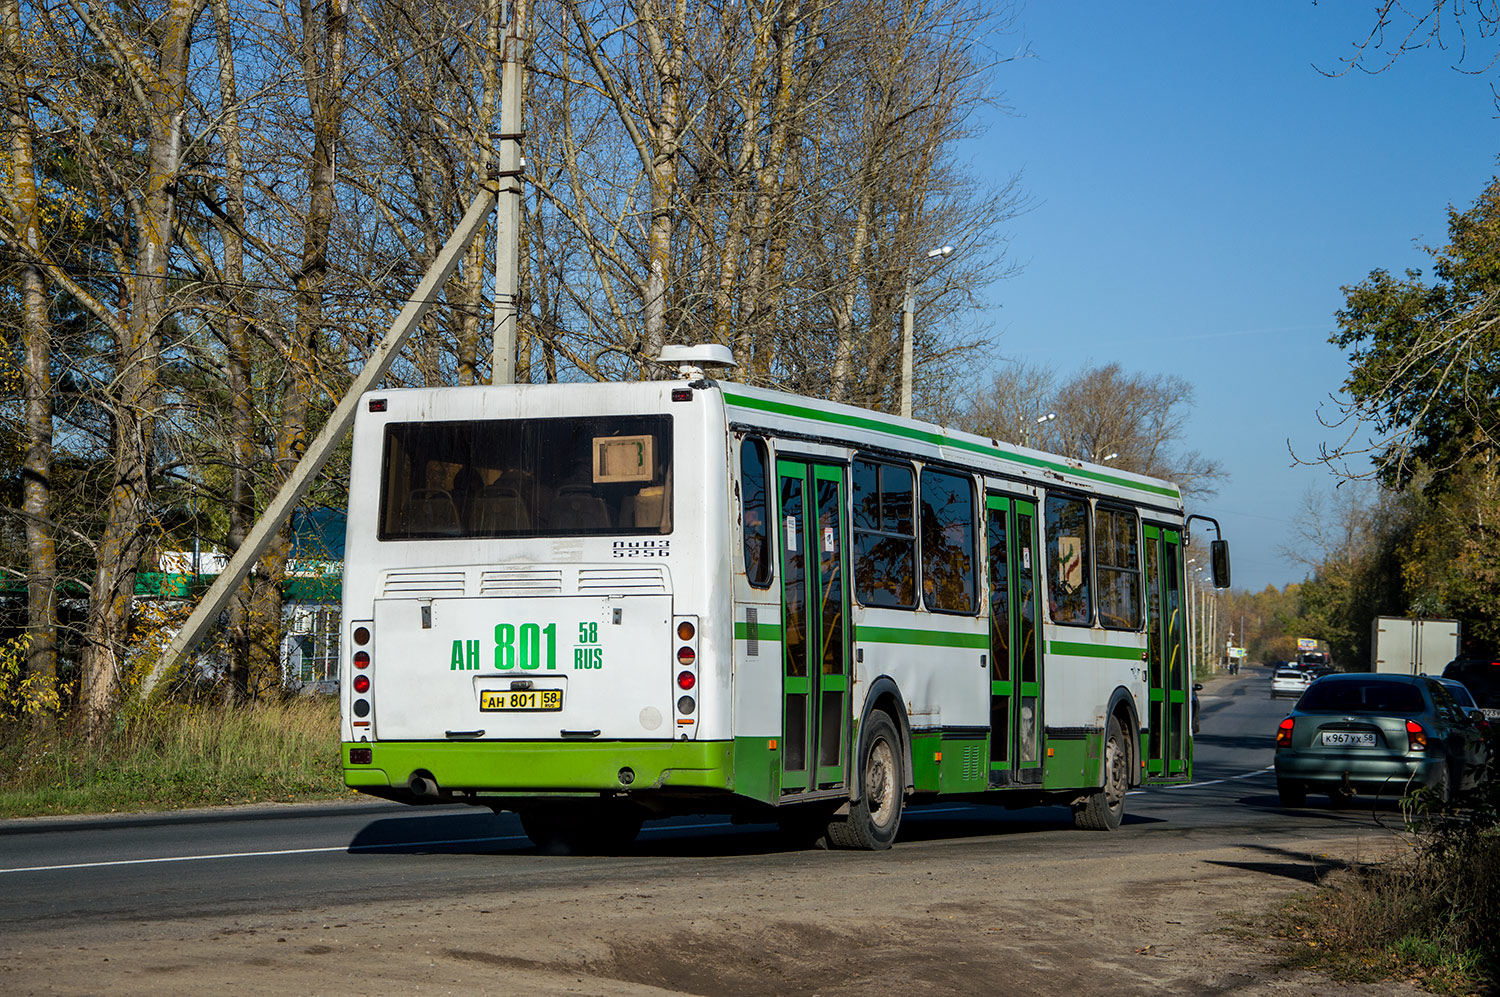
508	215
908	337
317	454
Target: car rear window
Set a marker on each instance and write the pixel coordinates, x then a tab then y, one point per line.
1289	673
1481	678
1362	697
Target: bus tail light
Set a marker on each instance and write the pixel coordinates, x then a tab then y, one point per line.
685	629
1416	736
1284	734
363	681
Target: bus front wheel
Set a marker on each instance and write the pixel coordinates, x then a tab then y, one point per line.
875	817
1103	809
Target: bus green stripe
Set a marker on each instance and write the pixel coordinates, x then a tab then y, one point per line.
763	631
1094	650
923	638
934	439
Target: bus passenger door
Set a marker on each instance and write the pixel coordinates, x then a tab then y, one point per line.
1168	749
815	625
1015	664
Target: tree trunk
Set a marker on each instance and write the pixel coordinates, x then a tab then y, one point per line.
36	381
237	358
138	344
325	96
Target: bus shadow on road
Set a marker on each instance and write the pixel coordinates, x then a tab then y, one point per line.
478	833
482	833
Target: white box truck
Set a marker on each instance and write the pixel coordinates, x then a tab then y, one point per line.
1413	647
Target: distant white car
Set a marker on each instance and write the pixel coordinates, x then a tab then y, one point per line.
1291	682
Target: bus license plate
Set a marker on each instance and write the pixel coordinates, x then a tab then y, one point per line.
505	700
1359	740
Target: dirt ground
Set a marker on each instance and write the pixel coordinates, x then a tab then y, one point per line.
823	924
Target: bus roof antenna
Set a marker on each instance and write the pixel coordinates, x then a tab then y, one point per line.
690	360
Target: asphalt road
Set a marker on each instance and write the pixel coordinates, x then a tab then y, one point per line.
97	871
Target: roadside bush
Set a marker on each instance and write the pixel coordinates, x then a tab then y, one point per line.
1429	913
175	755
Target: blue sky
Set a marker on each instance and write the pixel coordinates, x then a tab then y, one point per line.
1200	193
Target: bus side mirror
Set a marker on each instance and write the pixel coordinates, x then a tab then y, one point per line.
1218	554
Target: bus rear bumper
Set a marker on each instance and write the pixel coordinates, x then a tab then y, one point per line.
510	768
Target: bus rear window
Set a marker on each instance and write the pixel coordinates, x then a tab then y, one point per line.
527	478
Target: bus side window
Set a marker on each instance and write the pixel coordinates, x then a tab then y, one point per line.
1119	563
756	513
885	542
948	541
1068	595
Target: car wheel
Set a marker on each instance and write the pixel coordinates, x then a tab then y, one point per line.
1442	790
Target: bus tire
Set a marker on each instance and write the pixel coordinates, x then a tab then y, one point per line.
1104	808
874	818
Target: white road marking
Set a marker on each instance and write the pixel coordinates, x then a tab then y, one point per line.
1207	782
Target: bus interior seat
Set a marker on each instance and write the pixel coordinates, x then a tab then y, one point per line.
576	507
499	509
430	510
644	508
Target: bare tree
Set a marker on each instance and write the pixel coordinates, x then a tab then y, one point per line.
1140	418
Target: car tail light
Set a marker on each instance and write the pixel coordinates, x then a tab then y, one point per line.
1284	734
1416	737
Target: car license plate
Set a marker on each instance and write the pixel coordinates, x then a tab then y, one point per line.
505	700
1349	739
1492	713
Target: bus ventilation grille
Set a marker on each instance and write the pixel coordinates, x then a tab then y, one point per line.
424	584
622	581
973	763
521	582
752	631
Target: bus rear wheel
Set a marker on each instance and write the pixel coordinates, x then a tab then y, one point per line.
581	830
1103	809
874	818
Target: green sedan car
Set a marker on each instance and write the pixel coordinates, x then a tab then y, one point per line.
1376	735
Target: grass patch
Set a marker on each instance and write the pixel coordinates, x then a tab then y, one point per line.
177	756
1428	916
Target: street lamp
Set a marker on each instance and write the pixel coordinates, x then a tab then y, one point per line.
1041	420
908	320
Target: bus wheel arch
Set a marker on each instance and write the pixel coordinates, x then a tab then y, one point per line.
1122	708
885	697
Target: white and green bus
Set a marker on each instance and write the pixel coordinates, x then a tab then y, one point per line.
595	604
